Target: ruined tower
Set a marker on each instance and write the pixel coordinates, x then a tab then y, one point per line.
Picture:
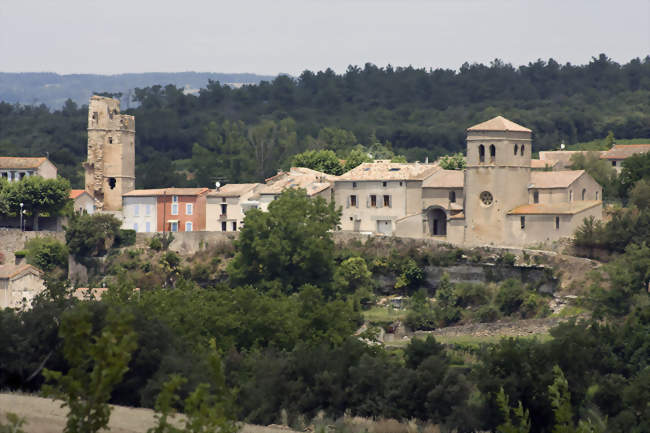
496	178
110	167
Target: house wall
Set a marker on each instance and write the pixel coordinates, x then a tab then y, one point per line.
130	217
440	197
542	228
164	212
234	213
14	290
47	170
593	191
363	217
84	203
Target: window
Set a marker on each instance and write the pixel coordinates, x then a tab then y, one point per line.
373	201
522	150
173	226
452	196
493	153
223	226
353	200
536	197
523	222
234	226
135	226
189	209
570	196
112	182
136	210
584	193
174	205
95	116
174	199
486	198
188	226
147	210
613	163
387	202
110	140
557	223
354	184
596	195
384	184
224	208
481	153
147	227
516	149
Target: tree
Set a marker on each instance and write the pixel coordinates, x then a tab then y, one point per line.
290	244
599	169
635	168
453	162
355	158
610	140
521	417
325	161
37	195
98	361
46	253
640	194
91	235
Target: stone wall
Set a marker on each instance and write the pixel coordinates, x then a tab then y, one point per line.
12	240
189	242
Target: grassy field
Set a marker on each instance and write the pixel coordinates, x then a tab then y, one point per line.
382	314
468	340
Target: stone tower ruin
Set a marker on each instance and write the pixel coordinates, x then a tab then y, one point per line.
110	168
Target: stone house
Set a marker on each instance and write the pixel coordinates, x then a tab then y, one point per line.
620	152
165	210
224	210
558	159
18	284
315	183
82	201
377	196
15	168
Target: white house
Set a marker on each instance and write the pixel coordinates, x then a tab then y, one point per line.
140	213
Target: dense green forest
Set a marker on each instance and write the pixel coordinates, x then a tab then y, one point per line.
246	134
273	317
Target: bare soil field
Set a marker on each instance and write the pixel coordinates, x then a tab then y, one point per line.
44	415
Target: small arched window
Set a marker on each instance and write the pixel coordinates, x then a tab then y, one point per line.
522	150
570	196
516	149
584	193
452	196
596	195
493	152
481	153
536	197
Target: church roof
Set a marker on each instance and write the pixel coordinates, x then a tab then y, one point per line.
499	123
554	179
18	163
542	164
622	151
385	170
566	208
445	179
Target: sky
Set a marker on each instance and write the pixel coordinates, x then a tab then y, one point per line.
289	36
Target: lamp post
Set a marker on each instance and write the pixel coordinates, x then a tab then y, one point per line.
21	216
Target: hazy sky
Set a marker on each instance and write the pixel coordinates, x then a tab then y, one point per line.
272	36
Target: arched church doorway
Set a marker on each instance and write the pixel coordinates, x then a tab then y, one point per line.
437	222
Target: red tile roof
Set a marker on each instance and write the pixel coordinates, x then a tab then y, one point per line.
499	123
622	151
74	193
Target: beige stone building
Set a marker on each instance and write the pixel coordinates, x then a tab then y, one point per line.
497	200
620	152
110	167
224	211
18	284
15	168
315	183
82	201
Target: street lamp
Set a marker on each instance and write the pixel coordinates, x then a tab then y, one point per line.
21	216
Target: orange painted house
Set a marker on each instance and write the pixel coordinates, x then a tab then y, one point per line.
176	209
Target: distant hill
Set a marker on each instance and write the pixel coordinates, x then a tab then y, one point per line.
35	88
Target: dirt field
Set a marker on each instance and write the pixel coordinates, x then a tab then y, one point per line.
46	416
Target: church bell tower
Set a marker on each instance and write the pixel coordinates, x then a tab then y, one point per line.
496	178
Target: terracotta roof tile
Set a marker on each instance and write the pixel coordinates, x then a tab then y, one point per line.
555	208
10	271
18	163
165	191
74	193
554	179
445	179
498	123
233	189
390	171
622	151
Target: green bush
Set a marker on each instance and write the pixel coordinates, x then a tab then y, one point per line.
20	254
46	253
487	314
506	259
510	296
156	243
125	238
468	294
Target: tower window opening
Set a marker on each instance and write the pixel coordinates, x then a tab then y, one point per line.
523	222
110	140
584	193
557	223
536	197
481	153
111	182
522	149
516	149
493	153
95	116
452	196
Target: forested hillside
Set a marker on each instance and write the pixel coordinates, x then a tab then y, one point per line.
237	135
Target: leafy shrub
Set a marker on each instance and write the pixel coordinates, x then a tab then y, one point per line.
487	314
506	259
410	276
469	294
156	243
20	254
45	253
125	238
510	296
